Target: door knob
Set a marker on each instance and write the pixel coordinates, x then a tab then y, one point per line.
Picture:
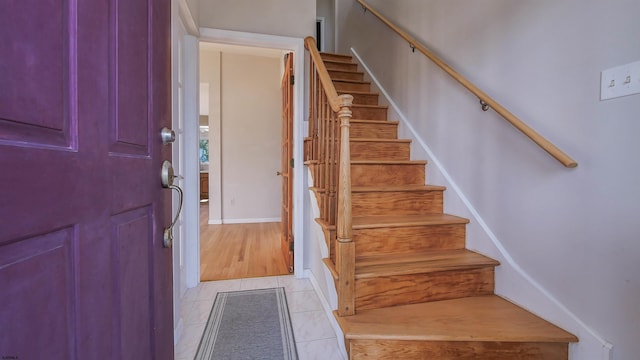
167	135
278	173
167	176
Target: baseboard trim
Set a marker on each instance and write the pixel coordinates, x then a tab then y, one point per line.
328	310
250	220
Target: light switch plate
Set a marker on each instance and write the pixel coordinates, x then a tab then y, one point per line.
620	81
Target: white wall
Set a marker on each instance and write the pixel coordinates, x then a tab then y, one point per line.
569	238
251	137
294	18
244	132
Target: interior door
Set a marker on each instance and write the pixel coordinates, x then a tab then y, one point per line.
85	91
287	161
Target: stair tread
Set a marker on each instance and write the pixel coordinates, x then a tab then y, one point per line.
354	92
397	188
480	318
346	71
369	222
331	267
380	140
420	263
338	61
388	162
370	106
334	54
378	221
353	81
383	122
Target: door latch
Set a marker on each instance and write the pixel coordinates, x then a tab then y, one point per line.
167	176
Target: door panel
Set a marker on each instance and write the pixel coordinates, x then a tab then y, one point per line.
36	113
128	32
131	307
287	158
81	206
44	263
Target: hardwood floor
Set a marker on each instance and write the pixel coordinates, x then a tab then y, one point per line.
233	251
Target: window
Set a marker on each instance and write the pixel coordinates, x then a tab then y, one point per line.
204	151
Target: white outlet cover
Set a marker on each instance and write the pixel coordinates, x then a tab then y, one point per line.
620	81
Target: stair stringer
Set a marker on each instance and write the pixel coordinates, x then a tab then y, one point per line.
523	289
319	275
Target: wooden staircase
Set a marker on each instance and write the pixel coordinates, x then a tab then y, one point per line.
419	293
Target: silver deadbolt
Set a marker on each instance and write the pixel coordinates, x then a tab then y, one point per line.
167	135
166	177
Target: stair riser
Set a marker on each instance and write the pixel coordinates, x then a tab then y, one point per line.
380	150
374	131
396	202
455	350
335	57
408	240
363	99
403	240
367	113
341	66
348	86
343	75
373	293
387	174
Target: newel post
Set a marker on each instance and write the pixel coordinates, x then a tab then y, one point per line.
345	248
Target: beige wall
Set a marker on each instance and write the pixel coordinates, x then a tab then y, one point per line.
574	232
324	8
244	134
295	18
250	132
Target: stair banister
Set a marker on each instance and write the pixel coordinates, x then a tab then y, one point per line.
332	95
485	99
333	167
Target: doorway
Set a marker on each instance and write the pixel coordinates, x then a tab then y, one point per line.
240	162
191	171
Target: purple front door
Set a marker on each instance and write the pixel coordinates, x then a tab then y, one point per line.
84	92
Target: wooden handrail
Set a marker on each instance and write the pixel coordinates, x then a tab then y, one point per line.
545	144
323	74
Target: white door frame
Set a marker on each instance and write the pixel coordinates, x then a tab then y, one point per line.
295	45
181	26
177	124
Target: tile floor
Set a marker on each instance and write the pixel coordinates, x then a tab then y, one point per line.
315	337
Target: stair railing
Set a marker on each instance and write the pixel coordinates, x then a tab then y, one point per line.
485	100
328	147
